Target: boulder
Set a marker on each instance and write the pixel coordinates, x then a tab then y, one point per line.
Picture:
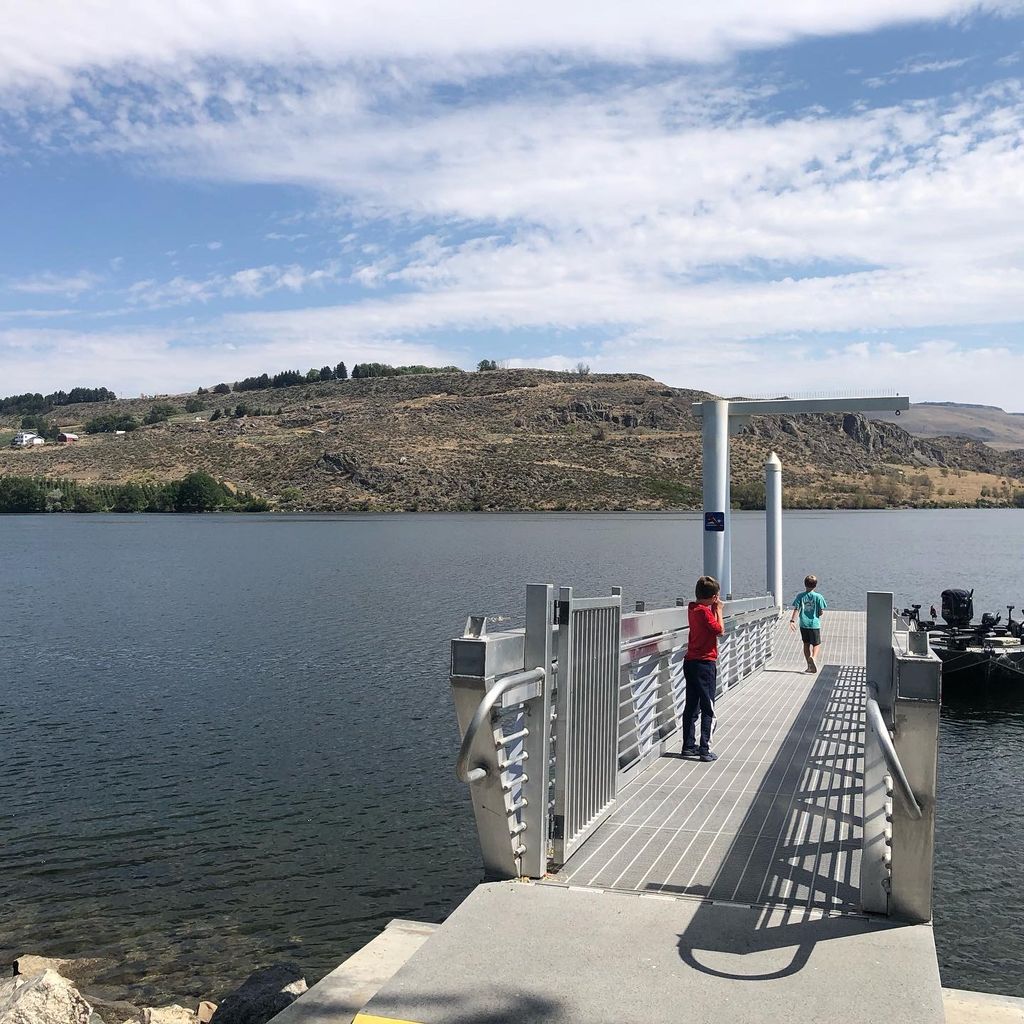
264	994
173	1014
46	998
206	1011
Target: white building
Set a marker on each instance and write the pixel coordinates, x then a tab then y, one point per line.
26	439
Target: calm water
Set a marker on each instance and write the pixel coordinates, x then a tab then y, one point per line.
227	741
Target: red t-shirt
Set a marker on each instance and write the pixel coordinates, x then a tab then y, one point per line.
704	633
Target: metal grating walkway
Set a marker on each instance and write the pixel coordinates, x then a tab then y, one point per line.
776	820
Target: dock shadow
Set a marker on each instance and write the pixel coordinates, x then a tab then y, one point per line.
789	878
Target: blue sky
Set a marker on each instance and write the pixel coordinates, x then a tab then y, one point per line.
741	199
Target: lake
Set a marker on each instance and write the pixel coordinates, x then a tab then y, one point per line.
228	740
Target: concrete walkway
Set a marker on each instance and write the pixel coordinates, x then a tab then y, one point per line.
516	953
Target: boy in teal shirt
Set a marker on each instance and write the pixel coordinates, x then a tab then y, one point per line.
811	605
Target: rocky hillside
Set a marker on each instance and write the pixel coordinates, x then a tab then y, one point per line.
507	440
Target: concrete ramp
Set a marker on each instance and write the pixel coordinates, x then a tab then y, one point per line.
517	953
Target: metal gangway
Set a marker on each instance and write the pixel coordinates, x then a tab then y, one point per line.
824	797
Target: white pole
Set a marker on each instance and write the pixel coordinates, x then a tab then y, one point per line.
715	417
773	527
726	577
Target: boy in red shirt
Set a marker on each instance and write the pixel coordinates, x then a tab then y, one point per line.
700	668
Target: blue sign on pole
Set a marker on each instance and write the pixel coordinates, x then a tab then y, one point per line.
714	522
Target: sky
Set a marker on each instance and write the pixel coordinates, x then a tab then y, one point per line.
746	198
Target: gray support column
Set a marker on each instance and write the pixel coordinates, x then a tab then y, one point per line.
773	528
917	684
875	855
540	604
878	657
715	419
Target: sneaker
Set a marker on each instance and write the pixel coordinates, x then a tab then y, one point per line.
707	755
689	752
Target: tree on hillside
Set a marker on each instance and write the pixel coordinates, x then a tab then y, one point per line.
583	369
222	389
287	378
326	373
38	425
110	423
199	492
486	364
340	372
159	413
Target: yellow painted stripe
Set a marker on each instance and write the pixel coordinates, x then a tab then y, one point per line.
369	1018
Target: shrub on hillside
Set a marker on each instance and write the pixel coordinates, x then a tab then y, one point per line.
111	422
160	412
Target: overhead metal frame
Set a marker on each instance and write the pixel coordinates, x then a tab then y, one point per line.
723	418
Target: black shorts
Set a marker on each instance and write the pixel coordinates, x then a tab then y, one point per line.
810	636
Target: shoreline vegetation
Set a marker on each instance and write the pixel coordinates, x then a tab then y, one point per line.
200	492
196	492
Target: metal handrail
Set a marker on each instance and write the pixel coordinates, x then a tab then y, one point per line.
482	714
892	760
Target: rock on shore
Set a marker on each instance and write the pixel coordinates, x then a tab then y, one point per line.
39	993
46	998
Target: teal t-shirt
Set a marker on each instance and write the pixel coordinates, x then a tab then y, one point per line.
811	605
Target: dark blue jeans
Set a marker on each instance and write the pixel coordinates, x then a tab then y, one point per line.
701	683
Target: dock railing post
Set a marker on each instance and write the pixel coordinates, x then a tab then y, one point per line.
878	657
918	680
540	604
773	527
875	855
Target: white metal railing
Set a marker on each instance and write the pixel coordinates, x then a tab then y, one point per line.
557	717
652	689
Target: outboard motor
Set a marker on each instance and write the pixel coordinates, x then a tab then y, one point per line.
989	620
957	607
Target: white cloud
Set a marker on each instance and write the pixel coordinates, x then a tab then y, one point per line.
49	283
135	361
250	282
44	44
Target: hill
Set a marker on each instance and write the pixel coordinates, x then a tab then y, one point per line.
507	440
988	423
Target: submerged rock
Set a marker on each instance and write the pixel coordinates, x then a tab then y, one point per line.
46	998
80	970
264	994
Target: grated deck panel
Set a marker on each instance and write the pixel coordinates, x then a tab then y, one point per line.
777	819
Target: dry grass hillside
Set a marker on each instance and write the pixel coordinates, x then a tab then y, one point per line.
507	440
988	423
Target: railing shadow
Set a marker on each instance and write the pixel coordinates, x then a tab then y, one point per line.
789	877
